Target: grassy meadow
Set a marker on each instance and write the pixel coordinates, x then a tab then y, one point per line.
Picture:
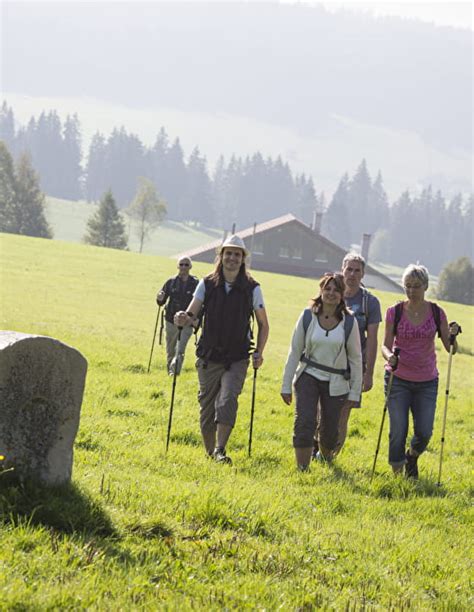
141	530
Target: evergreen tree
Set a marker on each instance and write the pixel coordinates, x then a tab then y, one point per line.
378	216
45	144
8	221
157	159
175	169
307	200
404	231
72	170
124	162
252	191
96	168
219	192
106	227
336	221
197	201
7	126
359	203
29	201
146	209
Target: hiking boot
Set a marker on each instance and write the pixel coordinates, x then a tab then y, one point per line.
321	458
220	456
411	467
314	454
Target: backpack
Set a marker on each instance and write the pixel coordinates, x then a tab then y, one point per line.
348	324
435	309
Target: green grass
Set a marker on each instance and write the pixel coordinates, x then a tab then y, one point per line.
141	530
68	220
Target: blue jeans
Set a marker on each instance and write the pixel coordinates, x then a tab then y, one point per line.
420	399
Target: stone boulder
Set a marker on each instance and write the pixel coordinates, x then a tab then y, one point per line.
41	387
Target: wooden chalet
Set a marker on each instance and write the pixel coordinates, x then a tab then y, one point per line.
287	246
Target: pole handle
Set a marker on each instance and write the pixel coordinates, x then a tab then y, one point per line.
396	352
452	337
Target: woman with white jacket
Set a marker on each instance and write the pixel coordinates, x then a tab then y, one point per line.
324	365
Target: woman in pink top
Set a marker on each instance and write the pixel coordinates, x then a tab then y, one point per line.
415	382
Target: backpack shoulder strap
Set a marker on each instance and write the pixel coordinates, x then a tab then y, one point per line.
307	316
348	323
435	309
398	316
365	302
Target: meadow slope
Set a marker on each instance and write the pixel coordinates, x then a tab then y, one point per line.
141	530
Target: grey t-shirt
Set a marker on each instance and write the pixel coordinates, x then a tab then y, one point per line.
374	315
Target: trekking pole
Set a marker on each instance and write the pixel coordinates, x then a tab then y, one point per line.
162	324
452	338
154	337
396	352
175	370
252	411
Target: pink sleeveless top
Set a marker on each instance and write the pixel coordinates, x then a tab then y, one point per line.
417	360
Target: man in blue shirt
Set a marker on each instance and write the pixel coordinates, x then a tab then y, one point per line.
366	308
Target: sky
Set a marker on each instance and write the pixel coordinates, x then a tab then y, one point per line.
239	134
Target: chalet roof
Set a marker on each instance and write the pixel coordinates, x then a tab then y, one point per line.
275	224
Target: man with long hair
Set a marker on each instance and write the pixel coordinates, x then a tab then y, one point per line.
228	296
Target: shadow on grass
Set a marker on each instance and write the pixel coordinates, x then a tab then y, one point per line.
399	487
340	475
65	509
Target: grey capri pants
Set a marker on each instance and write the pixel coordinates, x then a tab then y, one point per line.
308	392
219	389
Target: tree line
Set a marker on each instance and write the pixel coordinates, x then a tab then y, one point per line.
244	190
424	226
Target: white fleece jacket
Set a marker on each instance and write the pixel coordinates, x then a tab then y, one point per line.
302	343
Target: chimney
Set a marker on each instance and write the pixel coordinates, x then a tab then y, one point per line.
317	221
233	229
366	246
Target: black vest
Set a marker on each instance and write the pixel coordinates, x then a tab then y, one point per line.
226	330
179	296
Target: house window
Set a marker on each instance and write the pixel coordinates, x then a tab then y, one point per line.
258	246
297	253
284	251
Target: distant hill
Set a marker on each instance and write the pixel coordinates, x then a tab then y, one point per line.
69	219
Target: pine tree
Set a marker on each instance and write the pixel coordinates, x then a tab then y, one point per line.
147	209
359	203
72	170
7	126
95	169
337	221
29	201
8	221
197	204
403	231
177	180
378	206
106	227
